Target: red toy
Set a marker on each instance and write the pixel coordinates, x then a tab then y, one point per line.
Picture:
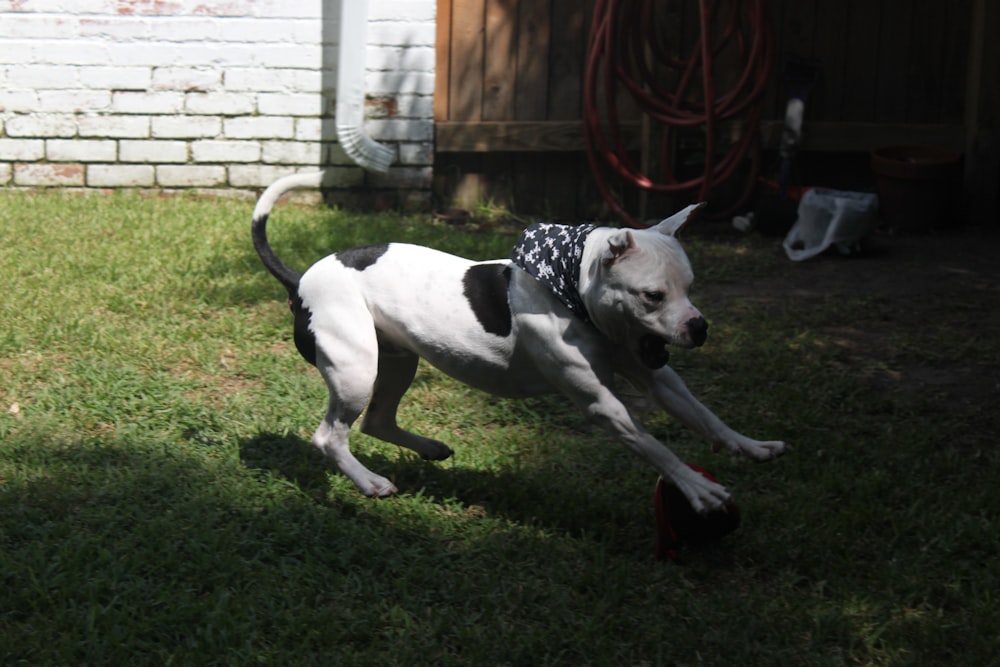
677	523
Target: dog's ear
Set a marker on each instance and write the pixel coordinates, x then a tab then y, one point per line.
670	226
619	246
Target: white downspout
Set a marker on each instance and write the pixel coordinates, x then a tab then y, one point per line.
361	148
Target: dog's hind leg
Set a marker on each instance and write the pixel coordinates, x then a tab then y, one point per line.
396	369
350	374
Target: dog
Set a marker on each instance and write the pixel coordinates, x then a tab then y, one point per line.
572	309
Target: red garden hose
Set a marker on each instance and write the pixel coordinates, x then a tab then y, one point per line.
628	57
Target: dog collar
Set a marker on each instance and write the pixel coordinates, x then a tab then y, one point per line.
551	253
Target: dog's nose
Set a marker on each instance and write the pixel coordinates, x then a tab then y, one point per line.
698	330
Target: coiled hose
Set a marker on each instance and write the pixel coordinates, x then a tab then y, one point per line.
628	55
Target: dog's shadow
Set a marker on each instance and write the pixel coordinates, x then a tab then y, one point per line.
523	496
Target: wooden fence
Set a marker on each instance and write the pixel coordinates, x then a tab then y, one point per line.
508	99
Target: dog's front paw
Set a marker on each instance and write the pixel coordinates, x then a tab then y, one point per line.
765	451
757	450
704	495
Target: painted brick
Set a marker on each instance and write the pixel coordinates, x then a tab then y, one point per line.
51	76
22	150
148	103
219	104
399	83
153	151
225	151
116	78
258	127
185	127
120	127
416	154
401	130
401	10
403	177
395	33
261	79
186	176
18	101
41	125
121	175
80	150
67	52
406	59
287	104
186	78
49	175
256	175
80	101
291	152
6	171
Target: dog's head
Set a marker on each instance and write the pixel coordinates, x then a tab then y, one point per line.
638	293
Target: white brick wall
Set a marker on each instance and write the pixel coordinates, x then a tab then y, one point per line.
194	94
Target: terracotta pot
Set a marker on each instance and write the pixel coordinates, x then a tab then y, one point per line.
917	186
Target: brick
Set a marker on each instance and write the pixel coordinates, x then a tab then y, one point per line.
22	150
258	127
291	104
185	127
153	151
114	127
49	175
79	101
401	129
121	175
225	151
186	78
416	154
256	175
51	76
116	78
163	102
401	10
266	79
18	101
41	125
80	150
186	176
291	152
219	104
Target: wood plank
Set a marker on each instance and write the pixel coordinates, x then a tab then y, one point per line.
860	44
893	61
442	59
520	136
534	39
467	49
499	84
567	58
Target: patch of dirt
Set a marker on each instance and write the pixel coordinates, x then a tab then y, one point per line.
943	290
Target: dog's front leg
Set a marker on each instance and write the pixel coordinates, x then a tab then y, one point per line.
589	386
670	391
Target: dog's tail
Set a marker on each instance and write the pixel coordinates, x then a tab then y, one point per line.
286	275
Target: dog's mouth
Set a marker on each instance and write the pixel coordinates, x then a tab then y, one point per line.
653	351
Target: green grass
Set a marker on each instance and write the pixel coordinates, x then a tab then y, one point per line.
160	502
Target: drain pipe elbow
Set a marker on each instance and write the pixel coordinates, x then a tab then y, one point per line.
350	112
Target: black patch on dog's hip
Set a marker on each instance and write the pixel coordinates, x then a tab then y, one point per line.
305	341
361	258
485	288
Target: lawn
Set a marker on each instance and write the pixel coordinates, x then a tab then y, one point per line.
160	502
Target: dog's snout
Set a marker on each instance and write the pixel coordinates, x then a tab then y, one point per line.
698	330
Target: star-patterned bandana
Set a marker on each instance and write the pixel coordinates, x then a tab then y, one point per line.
551	253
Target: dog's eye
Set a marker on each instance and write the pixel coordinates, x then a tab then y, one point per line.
654	296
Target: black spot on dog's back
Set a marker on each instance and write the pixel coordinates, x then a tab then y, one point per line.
361	258
485	288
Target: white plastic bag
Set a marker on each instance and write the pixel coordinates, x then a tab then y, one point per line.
830	218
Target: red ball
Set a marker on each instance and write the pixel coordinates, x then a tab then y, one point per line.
677	523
